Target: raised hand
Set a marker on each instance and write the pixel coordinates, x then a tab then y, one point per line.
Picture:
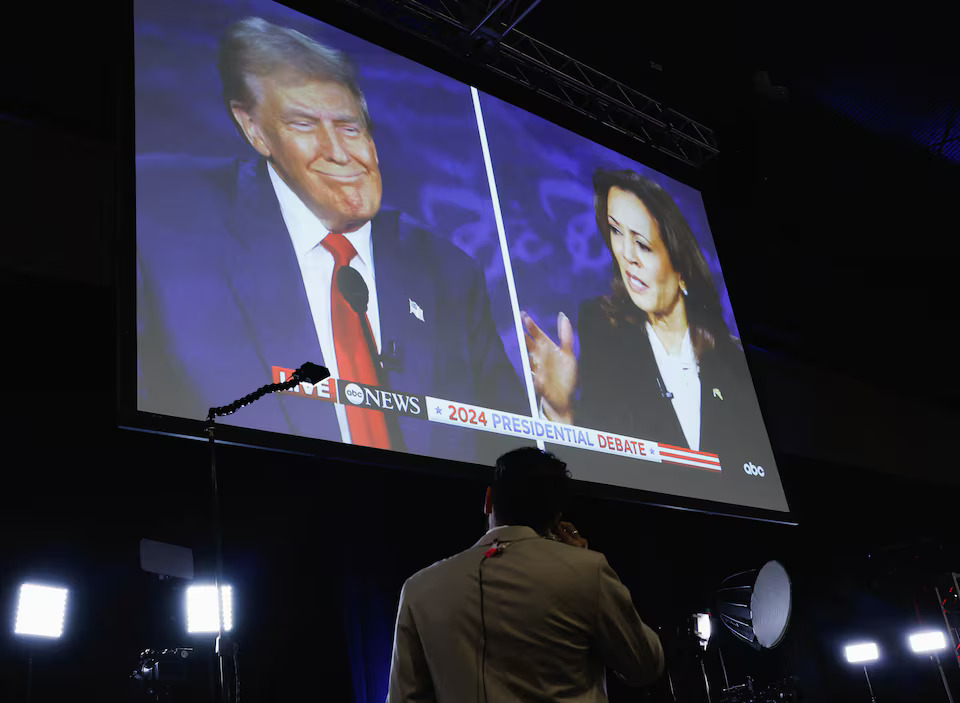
554	367
568	534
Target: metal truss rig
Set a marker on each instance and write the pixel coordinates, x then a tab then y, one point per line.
485	31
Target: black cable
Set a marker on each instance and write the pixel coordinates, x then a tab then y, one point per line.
483	635
495	550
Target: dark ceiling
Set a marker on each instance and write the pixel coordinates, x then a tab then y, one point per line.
896	73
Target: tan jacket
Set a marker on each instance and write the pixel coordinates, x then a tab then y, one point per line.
555	617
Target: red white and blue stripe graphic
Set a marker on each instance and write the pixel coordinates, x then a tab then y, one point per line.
689	457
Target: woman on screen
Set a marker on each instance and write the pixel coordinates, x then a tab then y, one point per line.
657	360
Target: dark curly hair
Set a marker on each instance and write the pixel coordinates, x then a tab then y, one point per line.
702	303
530	487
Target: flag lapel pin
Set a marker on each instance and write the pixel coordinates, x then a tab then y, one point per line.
416	310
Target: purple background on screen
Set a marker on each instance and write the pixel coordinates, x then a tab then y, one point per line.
545	185
430	156
424	124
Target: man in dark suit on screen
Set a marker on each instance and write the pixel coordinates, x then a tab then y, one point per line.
244	266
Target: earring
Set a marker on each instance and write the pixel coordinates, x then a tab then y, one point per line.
683	289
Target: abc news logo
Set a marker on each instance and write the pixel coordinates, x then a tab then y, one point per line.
354	393
753	470
379	399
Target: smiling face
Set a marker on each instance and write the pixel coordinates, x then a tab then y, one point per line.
638	247
314	135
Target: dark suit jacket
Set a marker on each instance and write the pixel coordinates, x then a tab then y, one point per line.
220	300
620	393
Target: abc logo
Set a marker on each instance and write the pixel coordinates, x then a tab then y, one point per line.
752	470
354	393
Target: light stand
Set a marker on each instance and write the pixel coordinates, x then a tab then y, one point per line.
308	373
863	653
932	643
869	686
723	667
943	677
702	629
40	614
706	680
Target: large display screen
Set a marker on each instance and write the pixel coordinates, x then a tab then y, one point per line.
474	277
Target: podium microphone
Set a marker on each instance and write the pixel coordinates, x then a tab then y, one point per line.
354	290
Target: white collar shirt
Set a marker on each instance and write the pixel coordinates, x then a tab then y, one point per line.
681	377
316	267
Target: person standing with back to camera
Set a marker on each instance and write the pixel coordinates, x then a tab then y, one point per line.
657	359
528	613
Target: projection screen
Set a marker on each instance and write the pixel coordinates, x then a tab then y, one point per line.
475	277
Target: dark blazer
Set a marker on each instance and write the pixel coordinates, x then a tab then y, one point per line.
220	300
620	392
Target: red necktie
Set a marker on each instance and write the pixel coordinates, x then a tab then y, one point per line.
354	361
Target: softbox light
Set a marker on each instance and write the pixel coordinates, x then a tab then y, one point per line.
928	642
755	605
40	610
862	653
203	609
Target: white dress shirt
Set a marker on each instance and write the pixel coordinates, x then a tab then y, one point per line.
681	376
316	266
